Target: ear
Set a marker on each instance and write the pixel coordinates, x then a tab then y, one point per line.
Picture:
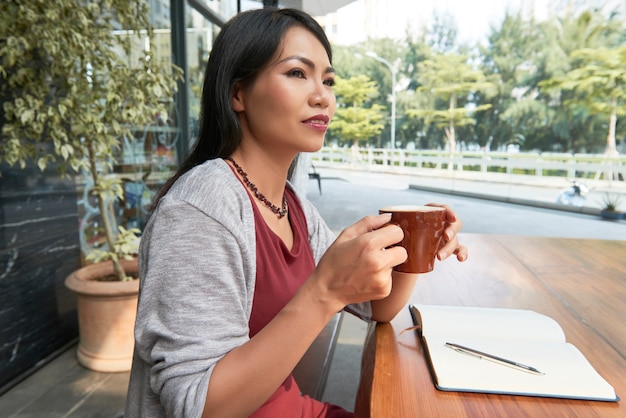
237	98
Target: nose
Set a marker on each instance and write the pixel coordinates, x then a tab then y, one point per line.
322	95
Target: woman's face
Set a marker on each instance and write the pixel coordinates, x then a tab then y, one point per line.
290	103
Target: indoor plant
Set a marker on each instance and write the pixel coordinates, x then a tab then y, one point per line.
75	79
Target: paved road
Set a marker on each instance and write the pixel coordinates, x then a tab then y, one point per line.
346	197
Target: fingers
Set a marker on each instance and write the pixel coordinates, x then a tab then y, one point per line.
381	243
393	256
386	236
453	247
461	253
450	215
454	223
365	225
451	243
382	233
357	267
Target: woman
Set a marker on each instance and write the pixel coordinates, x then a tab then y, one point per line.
239	272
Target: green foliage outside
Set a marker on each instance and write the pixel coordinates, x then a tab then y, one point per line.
599	78
449	77
353	118
534	84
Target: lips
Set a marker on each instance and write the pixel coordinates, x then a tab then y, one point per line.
318	120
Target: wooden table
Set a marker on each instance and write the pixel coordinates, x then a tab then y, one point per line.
581	283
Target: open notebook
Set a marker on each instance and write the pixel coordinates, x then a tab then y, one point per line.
523	336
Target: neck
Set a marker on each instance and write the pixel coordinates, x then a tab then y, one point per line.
268	174
278	207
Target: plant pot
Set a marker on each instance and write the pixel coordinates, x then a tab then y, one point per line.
106	316
611	214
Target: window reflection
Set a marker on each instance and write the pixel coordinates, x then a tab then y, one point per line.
151	155
199	38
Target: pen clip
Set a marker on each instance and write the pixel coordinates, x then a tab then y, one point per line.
463	351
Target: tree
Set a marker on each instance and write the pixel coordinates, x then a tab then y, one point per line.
449	77
75	79
599	78
393	51
521	53
353	119
507	61
568	127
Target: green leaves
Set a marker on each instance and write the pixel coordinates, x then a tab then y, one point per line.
72	87
450	78
355	118
520	52
67	77
597	82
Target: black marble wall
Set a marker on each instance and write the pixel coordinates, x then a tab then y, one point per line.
39	247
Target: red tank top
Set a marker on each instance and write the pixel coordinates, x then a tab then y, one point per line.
279	271
279	274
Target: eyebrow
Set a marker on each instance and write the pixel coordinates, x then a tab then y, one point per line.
306	62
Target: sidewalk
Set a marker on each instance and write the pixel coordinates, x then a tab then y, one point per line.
62	388
523	190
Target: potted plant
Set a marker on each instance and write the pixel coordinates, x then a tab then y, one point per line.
75	79
610	208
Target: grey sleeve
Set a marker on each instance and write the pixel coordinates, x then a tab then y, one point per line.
195	301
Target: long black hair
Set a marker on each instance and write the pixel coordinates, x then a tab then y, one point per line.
244	46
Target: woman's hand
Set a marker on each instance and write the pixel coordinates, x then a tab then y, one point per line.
450	243
403	283
357	266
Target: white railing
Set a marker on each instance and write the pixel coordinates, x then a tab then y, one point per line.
597	168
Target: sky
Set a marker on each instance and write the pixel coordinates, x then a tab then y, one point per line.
473	17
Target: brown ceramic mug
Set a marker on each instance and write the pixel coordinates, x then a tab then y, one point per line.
423	228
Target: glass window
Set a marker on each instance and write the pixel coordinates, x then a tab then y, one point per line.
199	39
149	155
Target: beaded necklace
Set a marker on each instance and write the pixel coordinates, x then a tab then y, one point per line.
278	211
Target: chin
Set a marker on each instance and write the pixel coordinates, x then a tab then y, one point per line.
313	146
317	147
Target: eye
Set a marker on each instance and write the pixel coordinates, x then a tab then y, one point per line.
296	73
330	82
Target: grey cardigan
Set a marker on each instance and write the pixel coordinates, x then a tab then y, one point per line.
197	264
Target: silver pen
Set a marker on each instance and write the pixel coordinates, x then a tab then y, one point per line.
495	359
